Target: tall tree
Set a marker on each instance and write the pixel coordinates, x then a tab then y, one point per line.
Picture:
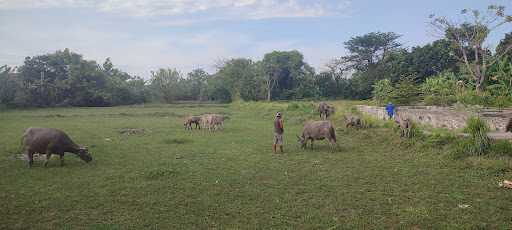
8	85
198	78
469	36
239	75
164	84
369	49
421	61
283	70
505	43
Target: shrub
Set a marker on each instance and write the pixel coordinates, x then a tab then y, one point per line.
439	90
406	92
471	97
479	143
382	91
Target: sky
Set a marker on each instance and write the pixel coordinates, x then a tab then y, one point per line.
143	35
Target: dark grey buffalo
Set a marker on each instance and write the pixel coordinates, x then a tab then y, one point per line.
317	130
192	120
51	141
325	110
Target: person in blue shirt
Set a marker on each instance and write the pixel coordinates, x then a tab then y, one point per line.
390	108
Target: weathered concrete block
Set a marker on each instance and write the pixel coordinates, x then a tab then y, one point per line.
442	117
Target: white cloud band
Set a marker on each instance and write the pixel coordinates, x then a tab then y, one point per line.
226	9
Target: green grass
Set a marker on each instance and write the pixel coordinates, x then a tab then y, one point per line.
170	178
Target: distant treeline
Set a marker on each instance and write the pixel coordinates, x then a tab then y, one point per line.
376	65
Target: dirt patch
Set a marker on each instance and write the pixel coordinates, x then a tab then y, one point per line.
133	131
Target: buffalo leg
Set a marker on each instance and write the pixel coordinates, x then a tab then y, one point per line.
61	155
48	156
332	143
30	156
312	143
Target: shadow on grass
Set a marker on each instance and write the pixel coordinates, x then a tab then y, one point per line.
177	141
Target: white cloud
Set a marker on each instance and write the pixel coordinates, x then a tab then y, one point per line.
142	46
16	4
205	9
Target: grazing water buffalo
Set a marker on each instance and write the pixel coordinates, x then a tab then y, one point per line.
217	122
352	121
212	121
51	141
205	120
192	120
325	110
405	125
317	130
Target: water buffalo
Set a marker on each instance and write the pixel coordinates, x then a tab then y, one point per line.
51	141
352	121
325	110
405	125
205	120
317	130
192	120
217	121
213	121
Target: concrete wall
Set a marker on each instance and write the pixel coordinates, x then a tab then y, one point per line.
442	117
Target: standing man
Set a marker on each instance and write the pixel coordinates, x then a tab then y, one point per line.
390	108
278	133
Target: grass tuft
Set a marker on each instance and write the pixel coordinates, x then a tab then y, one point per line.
479	143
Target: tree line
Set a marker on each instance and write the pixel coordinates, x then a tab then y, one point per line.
455	68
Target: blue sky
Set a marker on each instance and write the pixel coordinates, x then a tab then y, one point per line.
144	35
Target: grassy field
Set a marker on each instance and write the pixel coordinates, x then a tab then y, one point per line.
169	178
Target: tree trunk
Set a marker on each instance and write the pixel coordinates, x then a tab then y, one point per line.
479	80
269	89
479	88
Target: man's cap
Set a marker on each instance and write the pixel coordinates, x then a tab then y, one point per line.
278	114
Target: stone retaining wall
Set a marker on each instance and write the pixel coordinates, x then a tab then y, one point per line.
442	117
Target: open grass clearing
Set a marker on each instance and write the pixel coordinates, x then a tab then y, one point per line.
171	178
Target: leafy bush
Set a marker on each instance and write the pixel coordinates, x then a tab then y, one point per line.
406	92
479	143
439	90
471	97
382	91
500	80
